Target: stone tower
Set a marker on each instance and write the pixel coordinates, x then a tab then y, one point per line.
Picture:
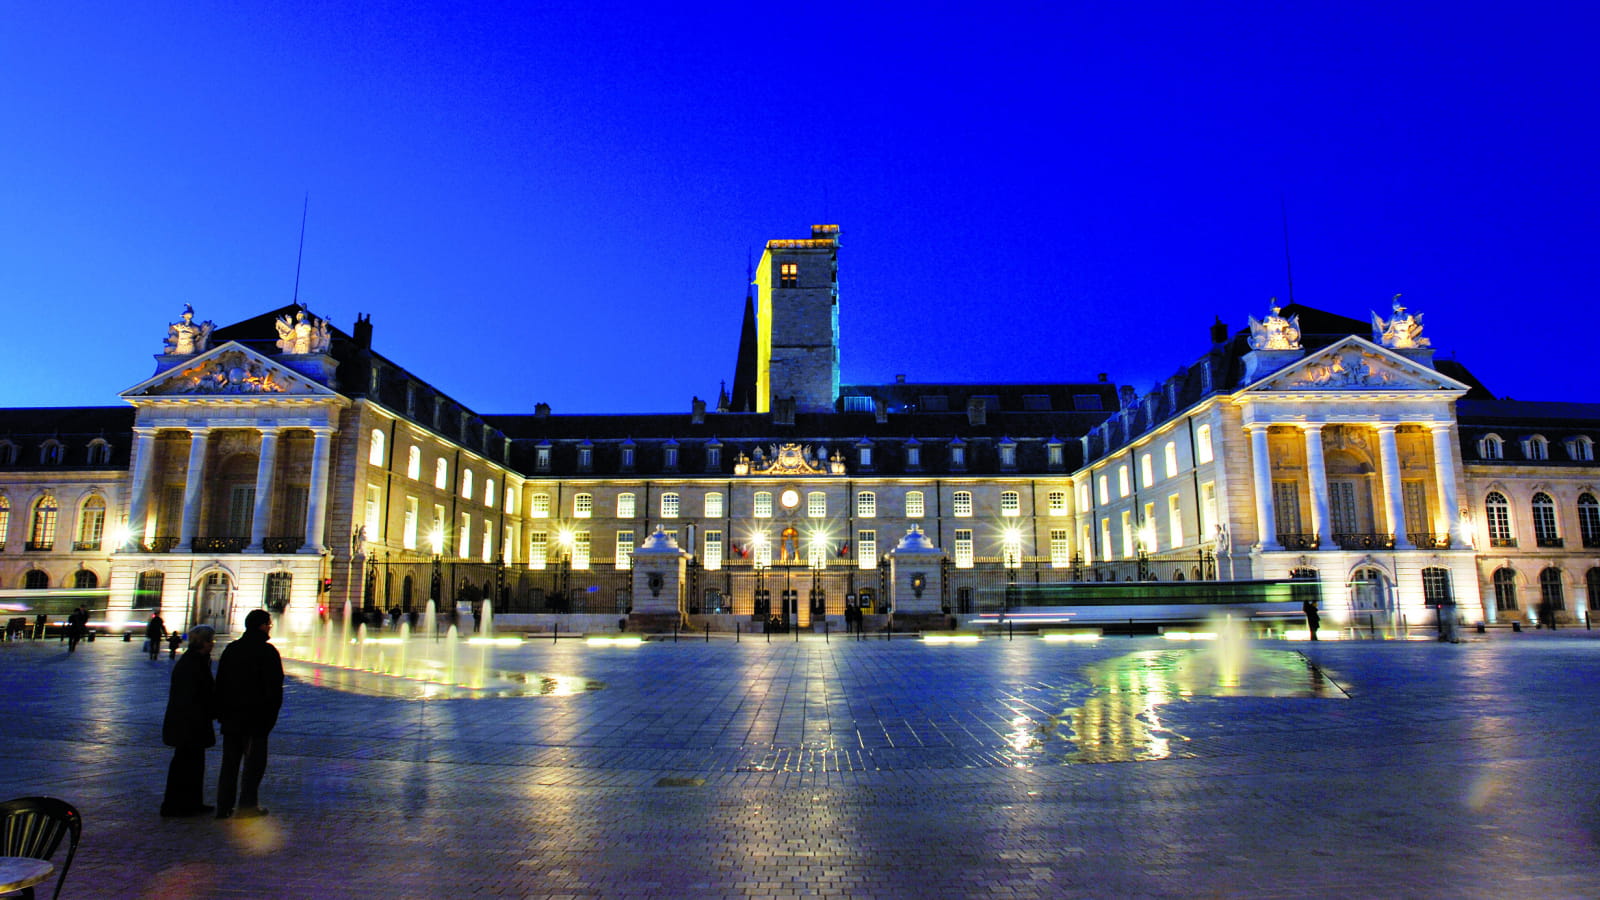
797	322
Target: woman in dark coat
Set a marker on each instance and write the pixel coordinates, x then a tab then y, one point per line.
187	726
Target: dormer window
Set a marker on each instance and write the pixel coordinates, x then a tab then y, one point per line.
958	455
1581	449
713	457
541	457
50	453
1008	454
628	449
864	455
99	452
1055	455
669	456
1490	446
913	454
8	453
585	457
1536	447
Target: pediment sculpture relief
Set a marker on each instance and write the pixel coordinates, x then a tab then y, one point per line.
786	459
303	334
1401	332
1350	368
1275	332
233	372
188	337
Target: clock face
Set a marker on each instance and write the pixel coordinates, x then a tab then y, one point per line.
790	499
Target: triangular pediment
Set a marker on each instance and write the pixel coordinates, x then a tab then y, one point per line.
230	370
1356	365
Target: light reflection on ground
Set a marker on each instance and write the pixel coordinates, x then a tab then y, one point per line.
495	683
1119	719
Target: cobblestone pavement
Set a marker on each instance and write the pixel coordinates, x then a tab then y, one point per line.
1123	768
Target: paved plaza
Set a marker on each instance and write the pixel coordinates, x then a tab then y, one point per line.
1130	767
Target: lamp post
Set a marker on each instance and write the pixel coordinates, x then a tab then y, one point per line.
436	543
757	542
564	566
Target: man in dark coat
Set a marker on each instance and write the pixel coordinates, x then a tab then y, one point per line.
154	631
187	727
249	695
1313	618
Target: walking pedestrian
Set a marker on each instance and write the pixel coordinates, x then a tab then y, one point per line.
77	624
1313	618
187	726
154	631
249	696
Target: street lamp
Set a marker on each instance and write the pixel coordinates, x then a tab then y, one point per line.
758	543
436	543
567	540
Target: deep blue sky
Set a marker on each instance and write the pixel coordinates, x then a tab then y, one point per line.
557	204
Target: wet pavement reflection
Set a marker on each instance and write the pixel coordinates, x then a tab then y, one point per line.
492	683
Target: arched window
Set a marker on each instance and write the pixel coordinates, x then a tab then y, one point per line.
42	534
99	452
627	505
375	452
916	504
1551	592
84	580
1536	447
713	505
1581	448
1505	589
278	584
961	503
1544	521
866	504
36	580
147	595
1203	452
5	519
414	463
1589	520
1010	503
669	505
91	523
441	473
488	492
763	505
50	453
816	504
8	453
1591	581
582	506
539	506
1491	447
466	484
1498	514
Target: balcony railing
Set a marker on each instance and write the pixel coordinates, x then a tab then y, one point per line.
1589	541
86	545
283	544
1364	541
1502	542
1296	541
39	546
163	543
1550	542
1423	540
220	544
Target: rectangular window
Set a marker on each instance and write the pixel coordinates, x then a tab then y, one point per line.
867	549
669	505
538	549
539	506
1147	528
1060	556
1169	456
816	505
488	541
1175	520
624	549
1056	501
963	548
713	459
241	511
488	492
580	550
1105	538
788	275
713	551
441	473
1105	489
713	505
1415	496
1436	586
464	537
763	504
583	506
763	551
914	504
1127	534
1286	507
436	536
1010	503
585	458
1208	511
669	458
466	484
374	512
625	506
1147	470
408	537
866	504
1202	444
1088	546
961	503
414	463
1083	496
1124	487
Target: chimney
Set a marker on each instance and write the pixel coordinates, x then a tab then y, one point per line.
783	411
1219	331
363	331
541	410
977	411
697	414
1102	378
880	410
899	379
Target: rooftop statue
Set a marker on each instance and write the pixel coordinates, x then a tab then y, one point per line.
1402	332
188	337
1275	332
303	334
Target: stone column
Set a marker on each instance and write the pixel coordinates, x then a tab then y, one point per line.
144	449
1261	462
1317	471
317	495
1394	497
192	486
264	471
1444	467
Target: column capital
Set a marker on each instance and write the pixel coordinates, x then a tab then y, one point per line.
1253	427
1385	427
1440	427
146	431
1313	427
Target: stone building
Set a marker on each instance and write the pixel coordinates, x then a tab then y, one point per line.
283	462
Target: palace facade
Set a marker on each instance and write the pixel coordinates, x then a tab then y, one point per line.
282	462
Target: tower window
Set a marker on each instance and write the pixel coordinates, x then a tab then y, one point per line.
789	275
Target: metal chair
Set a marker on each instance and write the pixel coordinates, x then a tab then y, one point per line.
34	826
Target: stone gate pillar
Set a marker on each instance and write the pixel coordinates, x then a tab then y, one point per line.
659	568
916	583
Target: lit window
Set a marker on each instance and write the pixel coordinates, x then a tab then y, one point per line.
1088	546
437	540
541	457
1544	521
1105	488
466	484
1208	510
669	505
626	504
539	506
585	458
763	549
1060	556
1083	495
375	452
1588	521
1127	534
464	537
1010	503
1147	528
1011	549
713	552
1056	502
91	523
963	548
1497	512
713	505
1123	487
866	504
788	275
914	504
414	463
816	504
1169	455
582	506
488	492
374	513
1175	520
408	536
961	503
624	549
1147	470
441	473
763	504
1202	444
580	550
5	522
538	549
864	455
1105	538
488	541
